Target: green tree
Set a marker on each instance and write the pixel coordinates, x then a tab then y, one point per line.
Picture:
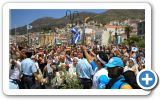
135	40
128	30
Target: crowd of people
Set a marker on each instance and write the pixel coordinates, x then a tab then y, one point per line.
87	67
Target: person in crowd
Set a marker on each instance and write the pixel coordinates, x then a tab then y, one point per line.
41	61
100	78
49	69
63	61
134	52
84	71
115	72
39	80
130	77
29	72
132	65
88	64
14	74
72	68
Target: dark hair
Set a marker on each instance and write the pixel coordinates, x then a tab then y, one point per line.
103	56
12	66
130	78
29	54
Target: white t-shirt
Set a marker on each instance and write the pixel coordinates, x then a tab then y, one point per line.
15	73
37	66
49	69
72	70
96	76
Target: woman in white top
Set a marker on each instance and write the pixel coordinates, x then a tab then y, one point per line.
132	65
72	67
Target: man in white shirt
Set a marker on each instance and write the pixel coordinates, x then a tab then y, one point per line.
14	74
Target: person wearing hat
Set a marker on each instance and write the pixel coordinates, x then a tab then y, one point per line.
134	52
115	72
100	77
132	65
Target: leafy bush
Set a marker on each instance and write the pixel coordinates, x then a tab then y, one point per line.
71	83
66	81
135	40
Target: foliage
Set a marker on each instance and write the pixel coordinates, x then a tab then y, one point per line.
135	40
128	30
66	81
120	15
71	83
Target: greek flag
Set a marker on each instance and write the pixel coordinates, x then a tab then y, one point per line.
77	38
29	27
74	30
76	35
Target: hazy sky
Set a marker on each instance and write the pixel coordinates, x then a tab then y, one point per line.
21	17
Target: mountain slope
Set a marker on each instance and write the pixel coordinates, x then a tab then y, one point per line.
46	23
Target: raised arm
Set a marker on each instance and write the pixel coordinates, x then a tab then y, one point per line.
88	56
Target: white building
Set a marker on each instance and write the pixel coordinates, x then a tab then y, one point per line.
106	37
113	29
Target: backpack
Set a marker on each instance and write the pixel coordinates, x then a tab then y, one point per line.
129	77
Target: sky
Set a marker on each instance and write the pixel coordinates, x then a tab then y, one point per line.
21	17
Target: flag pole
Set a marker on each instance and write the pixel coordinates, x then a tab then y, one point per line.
28	35
15	32
84	35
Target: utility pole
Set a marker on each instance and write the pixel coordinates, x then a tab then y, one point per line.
84	35
71	18
28	35
15	32
116	36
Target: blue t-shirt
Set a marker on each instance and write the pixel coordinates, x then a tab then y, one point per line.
84	69
28	67
103	80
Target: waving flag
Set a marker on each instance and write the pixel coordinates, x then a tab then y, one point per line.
29	27
76	35
74	30
77	38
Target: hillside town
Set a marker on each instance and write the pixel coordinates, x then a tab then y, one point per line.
93	32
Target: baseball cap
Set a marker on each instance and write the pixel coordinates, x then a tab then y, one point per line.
115	62
134	49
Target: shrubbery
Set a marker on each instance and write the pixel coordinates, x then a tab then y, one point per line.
138	41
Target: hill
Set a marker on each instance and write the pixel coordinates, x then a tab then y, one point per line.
47	23
123	14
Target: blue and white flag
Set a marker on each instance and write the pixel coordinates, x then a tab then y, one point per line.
74	30
76	38
29	27
76	35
